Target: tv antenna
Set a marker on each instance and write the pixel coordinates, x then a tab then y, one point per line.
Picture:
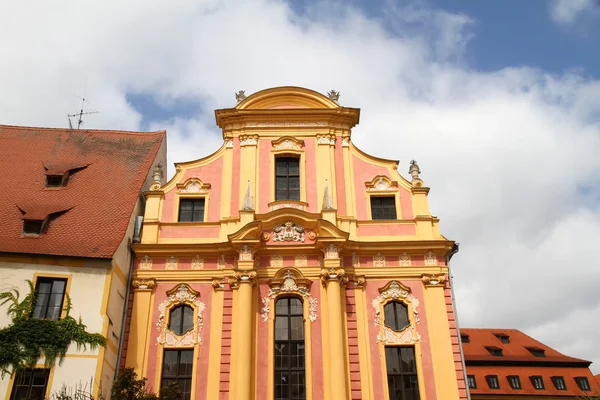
81	112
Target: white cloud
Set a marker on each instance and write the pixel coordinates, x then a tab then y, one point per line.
510	155
567	11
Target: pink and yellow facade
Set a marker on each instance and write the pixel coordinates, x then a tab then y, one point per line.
290	264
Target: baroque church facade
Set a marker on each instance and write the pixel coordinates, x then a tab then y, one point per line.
289	264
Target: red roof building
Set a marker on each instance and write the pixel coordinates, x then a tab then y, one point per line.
506	363
69	206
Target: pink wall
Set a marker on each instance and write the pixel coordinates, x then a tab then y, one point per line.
211	173
340	179
183	231
310	149
387	229
235	179
202	361
265	178
379	375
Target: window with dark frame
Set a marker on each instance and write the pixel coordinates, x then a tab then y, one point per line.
30	384
395	315
559	382
471	381
537	351
403	382
49	298
514	381
465	339
191	210
54	181
33	226
290	369
177	367
181	319
503	338
287	178
492	381
537	382
383	207
495	351
583	383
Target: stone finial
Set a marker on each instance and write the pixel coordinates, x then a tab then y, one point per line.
248	203
327	201
240	96
414	170
333	95
157	177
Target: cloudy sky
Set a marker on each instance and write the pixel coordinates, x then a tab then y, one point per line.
499	101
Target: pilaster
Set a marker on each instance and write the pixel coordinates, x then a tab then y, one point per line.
140	317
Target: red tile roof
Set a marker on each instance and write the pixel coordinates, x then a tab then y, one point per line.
517	360
89	216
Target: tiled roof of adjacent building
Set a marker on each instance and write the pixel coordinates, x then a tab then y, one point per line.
88	216
518	354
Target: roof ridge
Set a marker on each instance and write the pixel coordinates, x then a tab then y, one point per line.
23	127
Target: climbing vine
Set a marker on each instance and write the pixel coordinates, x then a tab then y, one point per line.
27	339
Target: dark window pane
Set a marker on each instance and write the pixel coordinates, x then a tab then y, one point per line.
30	384
395	315
188	319
175	319
49	300
287	178
403	382
289	349
191	210
282	183
294	183
383	207
177	368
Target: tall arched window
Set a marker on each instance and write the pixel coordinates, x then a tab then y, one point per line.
395	315
290	374
181	319
403	383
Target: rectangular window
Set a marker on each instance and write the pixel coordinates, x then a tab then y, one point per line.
33	226
514	381
492	381
465	339
290	373
49	298
383	207
537	382
403	382
191	210
177	367
495	351
471	381
287	178
30	384
559	382
583	383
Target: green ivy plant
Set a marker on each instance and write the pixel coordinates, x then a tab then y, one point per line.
27	339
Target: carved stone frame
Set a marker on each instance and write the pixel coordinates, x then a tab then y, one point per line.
181	294
396	291
289	281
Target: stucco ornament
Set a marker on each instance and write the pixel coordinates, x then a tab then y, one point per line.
229	143
379	260
288	232
326	139
345	142
287	205
414	172
333	274
433	279
143	284
157	176
355	260
301	260
289	285
244	276
240	96
221	262
197	262
283	124
146	262
276	261
333	95
382	184
246	253
408	335
395	291
405	260
331	251
182	294
287	145
172	263
248	140
195	186
430	259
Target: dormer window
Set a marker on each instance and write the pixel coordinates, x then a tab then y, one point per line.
495	351
54	181
465	339
537	351
503	338
33	226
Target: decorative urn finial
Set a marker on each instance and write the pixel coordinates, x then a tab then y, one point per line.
333	95
240	96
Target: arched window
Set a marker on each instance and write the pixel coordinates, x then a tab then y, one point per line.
290	374
395	315
181	319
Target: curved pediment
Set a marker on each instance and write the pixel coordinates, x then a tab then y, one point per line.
286	97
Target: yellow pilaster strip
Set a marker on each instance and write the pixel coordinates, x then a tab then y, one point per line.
334	277
245	280
364	353
441	346
214	355
140	317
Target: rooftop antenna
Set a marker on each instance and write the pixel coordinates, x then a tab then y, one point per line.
81	112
